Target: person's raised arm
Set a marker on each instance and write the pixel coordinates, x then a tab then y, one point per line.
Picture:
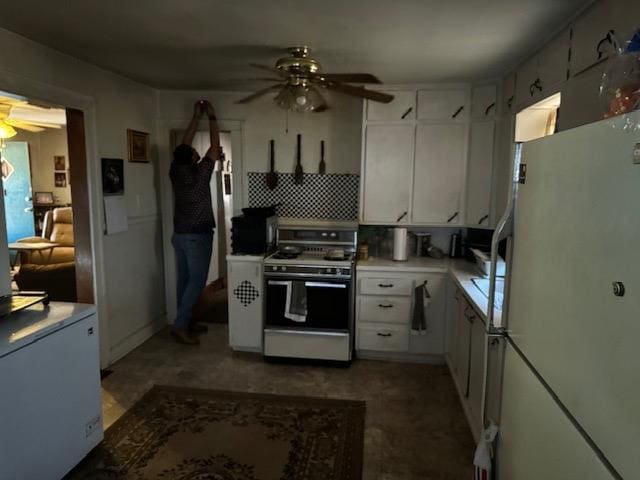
198	110
214	134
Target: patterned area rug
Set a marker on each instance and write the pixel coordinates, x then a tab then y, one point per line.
191	434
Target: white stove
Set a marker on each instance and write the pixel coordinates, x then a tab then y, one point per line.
309	296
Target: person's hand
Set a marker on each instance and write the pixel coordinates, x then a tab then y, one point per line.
198	108
209	109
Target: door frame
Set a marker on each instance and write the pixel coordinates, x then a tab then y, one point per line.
68	99
164	127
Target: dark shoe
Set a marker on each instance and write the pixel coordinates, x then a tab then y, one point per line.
184	337
198	328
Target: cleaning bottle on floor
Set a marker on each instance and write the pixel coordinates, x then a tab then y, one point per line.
482	459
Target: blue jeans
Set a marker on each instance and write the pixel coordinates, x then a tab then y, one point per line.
193	254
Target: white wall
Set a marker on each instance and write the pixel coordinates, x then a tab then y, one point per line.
42	148
129	266
254	125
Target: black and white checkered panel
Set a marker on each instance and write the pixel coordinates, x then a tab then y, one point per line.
246	293
332	197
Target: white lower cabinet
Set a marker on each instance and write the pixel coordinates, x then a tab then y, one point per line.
466	352
385	305
383	338
246	300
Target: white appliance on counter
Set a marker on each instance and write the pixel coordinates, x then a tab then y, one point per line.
565	355
50	407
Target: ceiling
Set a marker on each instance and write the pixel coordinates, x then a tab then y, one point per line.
206	44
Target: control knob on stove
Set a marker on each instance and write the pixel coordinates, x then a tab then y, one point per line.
274	268
283	269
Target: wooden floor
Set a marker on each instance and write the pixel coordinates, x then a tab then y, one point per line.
415	427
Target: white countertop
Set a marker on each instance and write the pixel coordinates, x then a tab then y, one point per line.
462	272
28	325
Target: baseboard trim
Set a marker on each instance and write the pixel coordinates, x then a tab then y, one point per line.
236	348
137	338
400	357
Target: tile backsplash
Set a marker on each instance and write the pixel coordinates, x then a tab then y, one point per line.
330	196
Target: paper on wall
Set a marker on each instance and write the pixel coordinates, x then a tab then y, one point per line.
115	214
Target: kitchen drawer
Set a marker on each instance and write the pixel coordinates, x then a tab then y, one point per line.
384	309
386	286
383	338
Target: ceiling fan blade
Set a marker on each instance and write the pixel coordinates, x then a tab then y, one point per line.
322	108
350	77
259	93
255	79
355	91
278	72
23	126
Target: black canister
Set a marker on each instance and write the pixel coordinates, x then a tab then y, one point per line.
455	245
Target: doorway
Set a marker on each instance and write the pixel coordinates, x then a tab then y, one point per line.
46	208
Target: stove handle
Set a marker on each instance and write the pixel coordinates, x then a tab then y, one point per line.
279	283
324	285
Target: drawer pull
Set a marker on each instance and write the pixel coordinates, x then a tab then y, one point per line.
385	285
458	112
384	334
382	305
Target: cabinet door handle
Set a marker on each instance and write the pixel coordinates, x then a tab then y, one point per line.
488	109
610	38
510	102
452	217
385	285
383	305
404	115
402	216
383	334
483	219
458	112
537	85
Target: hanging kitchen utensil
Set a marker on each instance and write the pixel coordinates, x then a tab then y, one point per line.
322	168
272	176
297	177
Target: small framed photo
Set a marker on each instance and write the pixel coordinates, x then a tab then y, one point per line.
43	198
112	176
60	179
138	143
59	163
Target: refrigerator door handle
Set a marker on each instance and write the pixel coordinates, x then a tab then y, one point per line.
504	229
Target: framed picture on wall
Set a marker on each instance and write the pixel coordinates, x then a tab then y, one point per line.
59	163
60	179
138	143
112	176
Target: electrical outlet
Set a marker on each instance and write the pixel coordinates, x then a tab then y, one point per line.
636	154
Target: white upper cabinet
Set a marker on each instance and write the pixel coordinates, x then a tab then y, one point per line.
386	174
525	82
401	108
553	64
483	102
543	74
508	92
480	174
438	173
592	41
443	105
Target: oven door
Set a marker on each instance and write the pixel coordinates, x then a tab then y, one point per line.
328	303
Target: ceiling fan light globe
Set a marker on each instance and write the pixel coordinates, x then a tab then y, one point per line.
6	130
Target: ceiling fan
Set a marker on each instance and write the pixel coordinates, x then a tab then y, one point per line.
15	113
299	76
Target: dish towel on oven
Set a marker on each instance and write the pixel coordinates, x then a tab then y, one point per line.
296	303
422	301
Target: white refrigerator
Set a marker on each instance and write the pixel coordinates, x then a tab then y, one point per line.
565	359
